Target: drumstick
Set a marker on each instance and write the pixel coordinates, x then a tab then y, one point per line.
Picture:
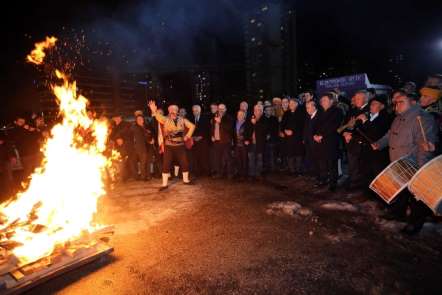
419	120
370	141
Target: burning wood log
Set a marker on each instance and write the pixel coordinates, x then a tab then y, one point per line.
49	227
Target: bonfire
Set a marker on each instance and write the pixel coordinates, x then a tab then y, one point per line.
54	214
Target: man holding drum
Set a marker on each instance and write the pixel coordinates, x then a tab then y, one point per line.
412	134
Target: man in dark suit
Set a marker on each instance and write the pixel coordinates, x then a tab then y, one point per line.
272	139
255	138
310	125
352	138
143	148
373	127
326	140
221	136
121	139
201	139
292	127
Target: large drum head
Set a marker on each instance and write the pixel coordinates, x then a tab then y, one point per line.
393	179
426	185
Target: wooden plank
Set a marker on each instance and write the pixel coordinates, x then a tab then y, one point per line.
48	272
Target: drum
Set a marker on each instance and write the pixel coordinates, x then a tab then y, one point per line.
426	185
393	179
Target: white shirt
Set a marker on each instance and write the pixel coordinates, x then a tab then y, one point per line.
313	115
373	116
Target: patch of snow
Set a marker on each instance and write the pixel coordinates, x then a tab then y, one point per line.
339	237
284	208
340	206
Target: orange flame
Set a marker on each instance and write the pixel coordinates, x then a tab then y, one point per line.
37	55
62	195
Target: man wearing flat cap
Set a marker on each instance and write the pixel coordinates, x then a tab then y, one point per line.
373	127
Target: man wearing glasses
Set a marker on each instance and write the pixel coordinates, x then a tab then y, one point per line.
405	138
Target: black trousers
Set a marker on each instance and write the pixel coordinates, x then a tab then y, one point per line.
354	153
221	154
143	157
328	170
311	162
175	153
241	160
200	158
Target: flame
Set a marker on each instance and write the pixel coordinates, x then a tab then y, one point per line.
60	201
37	55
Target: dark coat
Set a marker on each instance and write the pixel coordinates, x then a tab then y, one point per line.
123	131
260	129
374	161
310	126
376	129
272	129
225	130
202	127
356	137
327	125
293	121
26	142
142	137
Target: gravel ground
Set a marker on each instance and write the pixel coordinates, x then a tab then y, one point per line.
277	236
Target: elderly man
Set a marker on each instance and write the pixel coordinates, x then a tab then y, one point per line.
255	138
311	155
200	149
405	139
221	135
292	134
143	148
326	141
353	140
272	139
175	130
374	126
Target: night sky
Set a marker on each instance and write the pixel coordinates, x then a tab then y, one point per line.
145	34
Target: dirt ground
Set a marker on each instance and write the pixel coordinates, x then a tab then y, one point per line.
278	236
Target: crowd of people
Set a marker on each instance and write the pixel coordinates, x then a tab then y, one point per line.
323	137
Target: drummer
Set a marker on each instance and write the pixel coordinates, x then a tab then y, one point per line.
406	138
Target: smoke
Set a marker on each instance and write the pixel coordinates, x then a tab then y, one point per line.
163	34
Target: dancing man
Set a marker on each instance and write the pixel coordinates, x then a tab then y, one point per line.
176	130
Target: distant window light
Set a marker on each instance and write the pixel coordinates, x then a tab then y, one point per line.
253	39
282	28
261	90
265	8
259	24
252	21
